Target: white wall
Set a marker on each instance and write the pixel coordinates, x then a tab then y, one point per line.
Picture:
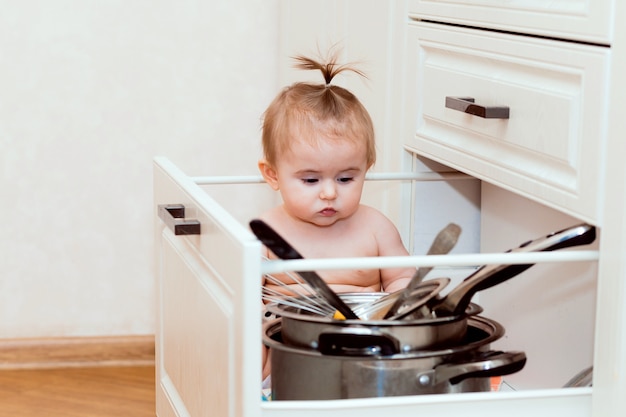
90	91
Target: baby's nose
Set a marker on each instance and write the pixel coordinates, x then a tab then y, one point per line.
329	190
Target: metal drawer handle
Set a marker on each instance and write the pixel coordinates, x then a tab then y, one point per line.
466	105
173	215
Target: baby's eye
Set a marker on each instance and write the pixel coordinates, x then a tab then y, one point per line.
309	180
345	179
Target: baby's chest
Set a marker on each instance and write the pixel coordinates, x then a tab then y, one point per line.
339	246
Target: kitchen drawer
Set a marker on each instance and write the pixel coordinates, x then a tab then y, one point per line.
584	20
550	149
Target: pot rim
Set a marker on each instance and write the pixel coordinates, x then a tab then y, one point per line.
493	329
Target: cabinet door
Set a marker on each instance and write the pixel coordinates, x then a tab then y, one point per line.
208	336
584	20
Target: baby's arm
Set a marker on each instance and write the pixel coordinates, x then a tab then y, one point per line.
390	244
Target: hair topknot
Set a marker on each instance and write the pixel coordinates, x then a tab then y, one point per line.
329	69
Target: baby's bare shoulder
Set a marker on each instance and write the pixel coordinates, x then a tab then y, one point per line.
383	229
374	217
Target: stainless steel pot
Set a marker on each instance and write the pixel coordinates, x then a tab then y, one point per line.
304	329
352	367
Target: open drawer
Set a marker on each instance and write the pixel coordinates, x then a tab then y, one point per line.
209	325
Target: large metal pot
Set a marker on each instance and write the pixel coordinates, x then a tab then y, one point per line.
304	329
352	367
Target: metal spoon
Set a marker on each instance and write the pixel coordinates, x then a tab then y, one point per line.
443	243
582	379
284	250
418	297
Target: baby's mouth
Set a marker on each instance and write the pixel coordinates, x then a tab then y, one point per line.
328	211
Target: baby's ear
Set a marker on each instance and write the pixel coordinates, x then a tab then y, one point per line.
269	174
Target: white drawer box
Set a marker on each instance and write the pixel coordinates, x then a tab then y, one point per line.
550	148
585	20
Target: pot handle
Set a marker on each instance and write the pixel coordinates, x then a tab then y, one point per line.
359	344
486	364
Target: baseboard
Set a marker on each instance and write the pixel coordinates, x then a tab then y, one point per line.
76	352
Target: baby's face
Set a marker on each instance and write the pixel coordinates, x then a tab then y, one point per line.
322	183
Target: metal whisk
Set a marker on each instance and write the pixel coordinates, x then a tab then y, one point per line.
298	296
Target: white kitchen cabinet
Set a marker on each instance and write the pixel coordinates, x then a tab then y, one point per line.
510	36
586	20
548	146
208	359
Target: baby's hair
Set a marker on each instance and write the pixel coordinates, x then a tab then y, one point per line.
329	70
303	110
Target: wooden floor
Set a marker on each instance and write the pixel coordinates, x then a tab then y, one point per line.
72	392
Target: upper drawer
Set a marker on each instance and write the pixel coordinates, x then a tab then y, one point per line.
549	149
585	20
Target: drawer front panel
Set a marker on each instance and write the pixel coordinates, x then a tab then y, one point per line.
550	147
584	20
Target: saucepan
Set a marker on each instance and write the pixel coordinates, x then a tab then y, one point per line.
346	367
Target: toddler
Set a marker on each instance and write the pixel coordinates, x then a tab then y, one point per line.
318	144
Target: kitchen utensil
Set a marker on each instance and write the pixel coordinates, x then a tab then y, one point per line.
301	328
301	296
284	250
583	378
427	328
377	309
457	300
371	366
444	242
